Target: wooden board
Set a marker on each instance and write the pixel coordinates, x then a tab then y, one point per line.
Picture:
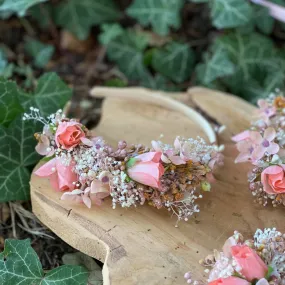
142	246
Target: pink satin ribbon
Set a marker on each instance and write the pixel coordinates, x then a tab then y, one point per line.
276	11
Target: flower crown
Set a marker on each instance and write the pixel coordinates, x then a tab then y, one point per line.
258	261
88	170
264	146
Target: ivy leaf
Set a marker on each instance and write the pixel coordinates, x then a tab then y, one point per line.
10	106
20	7
175	61
263	20
230	13
157	82
41	53
17	152
161	14
50	95
79	258
127	51
215	66
79	16
19	264
109	33
42	14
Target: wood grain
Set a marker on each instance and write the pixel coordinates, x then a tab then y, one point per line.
142	246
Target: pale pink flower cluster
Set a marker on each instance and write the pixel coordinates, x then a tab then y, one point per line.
244	263
263	146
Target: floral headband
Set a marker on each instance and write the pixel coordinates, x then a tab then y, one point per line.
87	170
258	261
263	145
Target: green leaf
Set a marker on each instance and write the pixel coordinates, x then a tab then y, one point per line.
215	66
263	20
20	6
175	61
127	51
161	14
66	275
41	53
230	13
259	68
17	152
158	82
131	162
42	14
206	186
109	33
79	16
19	264
79	258
269	272
116	82
50	95
200	1
10	106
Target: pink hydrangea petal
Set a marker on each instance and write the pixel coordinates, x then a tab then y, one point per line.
41	148
230	242
256	137
269	134
241	136
262	103
262	281
66	176
165	158
149	156
177	160
177	144
242	157
87	142
156	145
53	179
258	152
273	148
87	201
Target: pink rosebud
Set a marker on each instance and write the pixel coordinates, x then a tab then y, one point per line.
273	179
229	281
69	134
61	176
252	266
147	169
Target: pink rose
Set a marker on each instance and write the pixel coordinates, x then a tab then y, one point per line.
69	134
229	281
61	176
273	179
252	266
147	169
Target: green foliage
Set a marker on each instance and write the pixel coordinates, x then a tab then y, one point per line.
230	13
158	82
175	61
50	95
78	258
10	106
161	14
19	264
251	65
17	145
126	49
40	52
8	7
79	16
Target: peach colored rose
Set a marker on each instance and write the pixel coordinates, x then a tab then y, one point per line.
69	134
61	176
229	281
252	266
147	169
273	179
